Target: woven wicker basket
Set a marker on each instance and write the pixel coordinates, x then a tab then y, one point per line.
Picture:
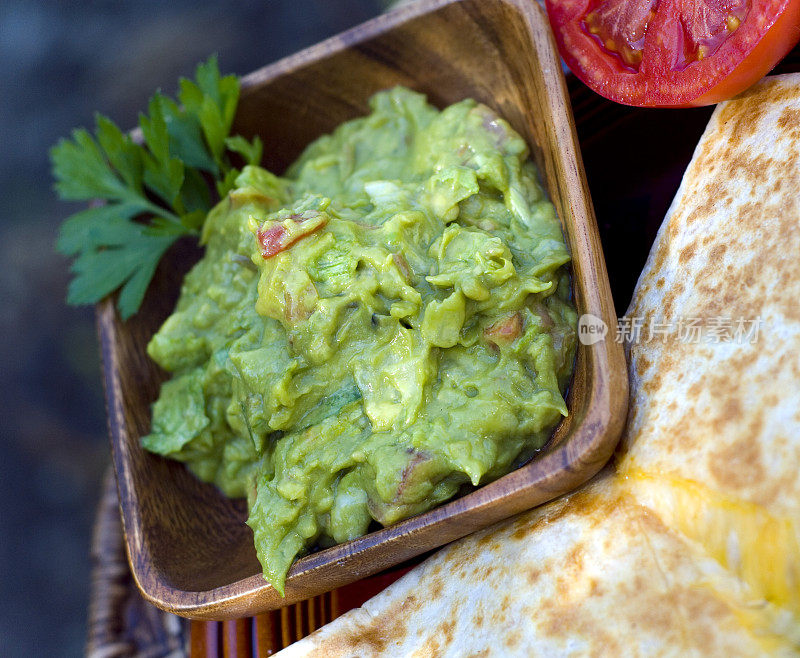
121	622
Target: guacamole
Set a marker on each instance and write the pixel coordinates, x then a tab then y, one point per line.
386	323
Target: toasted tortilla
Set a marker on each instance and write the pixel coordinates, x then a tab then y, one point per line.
591	574
688	544
713	436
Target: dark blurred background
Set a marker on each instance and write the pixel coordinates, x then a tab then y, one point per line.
61	62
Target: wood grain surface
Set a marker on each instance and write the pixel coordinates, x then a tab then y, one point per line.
189	549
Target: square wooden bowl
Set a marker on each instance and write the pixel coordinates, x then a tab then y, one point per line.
189	548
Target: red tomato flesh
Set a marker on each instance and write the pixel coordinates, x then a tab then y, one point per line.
273	240
276	237
505	331
673	53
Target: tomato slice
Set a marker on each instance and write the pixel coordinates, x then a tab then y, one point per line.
673	53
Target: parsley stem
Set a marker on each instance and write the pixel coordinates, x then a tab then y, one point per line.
164	213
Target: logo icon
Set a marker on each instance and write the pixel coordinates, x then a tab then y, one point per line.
591	329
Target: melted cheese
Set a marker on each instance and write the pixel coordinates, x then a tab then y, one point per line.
762	549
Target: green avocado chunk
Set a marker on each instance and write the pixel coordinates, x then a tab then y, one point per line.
389	321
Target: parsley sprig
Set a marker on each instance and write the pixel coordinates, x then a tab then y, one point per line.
154	189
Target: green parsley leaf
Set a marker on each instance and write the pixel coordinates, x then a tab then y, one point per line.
94	228
186	137
130	265
250	151
153	190
83	172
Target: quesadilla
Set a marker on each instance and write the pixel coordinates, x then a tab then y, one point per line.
591	574
713	436
687	544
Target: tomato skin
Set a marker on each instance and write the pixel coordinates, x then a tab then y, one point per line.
769	31
778	41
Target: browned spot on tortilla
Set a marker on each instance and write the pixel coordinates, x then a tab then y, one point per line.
499	612
666	361
658	262
742	115
737	465
695	389
565	618
532	575
446	630
717	252
692	217
512	639
520	533
575	555
528	524
384	629
672	230
411	602
705	208
666	308
753	169
770	399
731	410
789	120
